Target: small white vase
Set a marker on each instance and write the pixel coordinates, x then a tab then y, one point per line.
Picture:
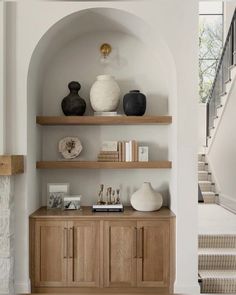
105	94
146	198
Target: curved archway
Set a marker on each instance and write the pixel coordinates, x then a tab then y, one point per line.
57	42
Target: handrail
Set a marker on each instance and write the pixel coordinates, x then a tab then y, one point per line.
222	76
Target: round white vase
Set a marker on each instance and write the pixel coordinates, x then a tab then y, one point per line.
105	94
146	198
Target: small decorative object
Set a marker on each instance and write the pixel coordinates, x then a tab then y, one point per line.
105	50
134	103
55	194
112	203
73	104
105	94
100	196
143	154
71	202
70	147
146	198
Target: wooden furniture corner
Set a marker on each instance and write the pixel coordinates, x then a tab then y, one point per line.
11	165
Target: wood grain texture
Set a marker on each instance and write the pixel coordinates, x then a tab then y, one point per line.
86	251
87	214
154	257
109	120
127	252
120	265
50	257
102	165
11	164
102	291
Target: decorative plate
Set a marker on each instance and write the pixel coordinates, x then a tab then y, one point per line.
70	147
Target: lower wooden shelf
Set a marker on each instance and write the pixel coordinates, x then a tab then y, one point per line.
102	165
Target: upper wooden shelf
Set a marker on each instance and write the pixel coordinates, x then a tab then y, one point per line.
102	165
11	164
101	120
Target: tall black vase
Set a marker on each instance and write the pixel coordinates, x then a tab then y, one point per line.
134	103
73	104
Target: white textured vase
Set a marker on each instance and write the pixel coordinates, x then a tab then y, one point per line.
146	198
105	94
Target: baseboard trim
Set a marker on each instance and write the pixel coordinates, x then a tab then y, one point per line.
187	289
227	202
22	287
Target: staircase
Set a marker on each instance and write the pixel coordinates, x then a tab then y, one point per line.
217	263
205	182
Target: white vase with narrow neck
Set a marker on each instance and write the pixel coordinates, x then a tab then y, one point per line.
105	94
146	198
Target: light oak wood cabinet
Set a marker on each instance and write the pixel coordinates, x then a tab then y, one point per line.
75	251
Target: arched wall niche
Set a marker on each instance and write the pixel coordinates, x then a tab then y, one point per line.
59	57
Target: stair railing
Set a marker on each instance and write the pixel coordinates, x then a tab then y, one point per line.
227	60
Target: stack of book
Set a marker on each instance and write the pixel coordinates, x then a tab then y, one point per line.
108	156
119	151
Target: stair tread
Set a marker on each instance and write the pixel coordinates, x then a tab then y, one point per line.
208	193
205	181
217	251
218	274
203	171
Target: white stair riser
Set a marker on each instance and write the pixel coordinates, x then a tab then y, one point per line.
207	187
217	241
209	199
204	176
201	157
206	262
217	285
202	167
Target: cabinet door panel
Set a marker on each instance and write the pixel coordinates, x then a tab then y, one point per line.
153	253
120	254
86	249
51	253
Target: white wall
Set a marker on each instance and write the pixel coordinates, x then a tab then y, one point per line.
177	49
221	156
201	126
2	77
135	66
229	7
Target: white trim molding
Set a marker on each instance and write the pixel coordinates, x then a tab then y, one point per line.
23	287
227	202
187	289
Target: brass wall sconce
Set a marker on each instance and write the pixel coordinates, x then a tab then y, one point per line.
105	50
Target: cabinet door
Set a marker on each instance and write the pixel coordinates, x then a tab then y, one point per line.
84	250
153	252
120	266
50	253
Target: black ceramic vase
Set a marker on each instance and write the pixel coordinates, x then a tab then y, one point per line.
73	104
134	103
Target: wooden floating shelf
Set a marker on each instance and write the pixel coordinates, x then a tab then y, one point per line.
102	165
108	120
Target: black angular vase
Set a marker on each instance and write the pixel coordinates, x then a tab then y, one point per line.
73	104
134	103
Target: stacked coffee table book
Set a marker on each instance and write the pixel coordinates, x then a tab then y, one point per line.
119	151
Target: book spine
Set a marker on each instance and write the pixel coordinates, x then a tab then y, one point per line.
136	151
108	160
133	150
108	153
123	151
108	157
126	151
119	150
130	151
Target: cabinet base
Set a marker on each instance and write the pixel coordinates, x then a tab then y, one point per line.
100	291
